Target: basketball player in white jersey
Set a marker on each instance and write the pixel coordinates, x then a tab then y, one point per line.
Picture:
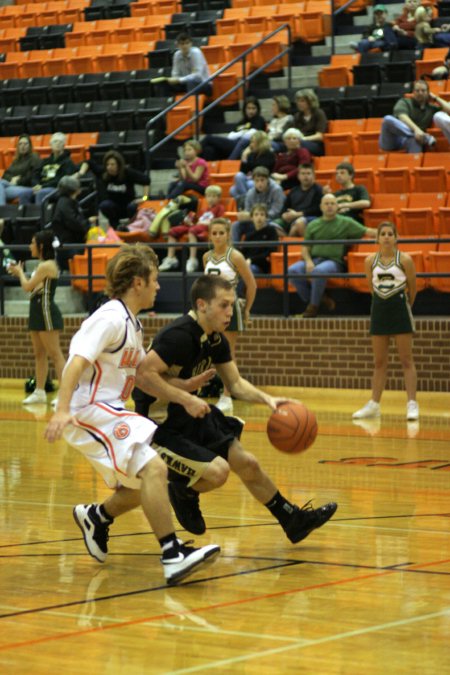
97	380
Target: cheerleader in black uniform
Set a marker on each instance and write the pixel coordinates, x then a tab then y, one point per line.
392	281
45	320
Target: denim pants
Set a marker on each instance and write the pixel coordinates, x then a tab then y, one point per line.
242	184
10	192
396	135
312	289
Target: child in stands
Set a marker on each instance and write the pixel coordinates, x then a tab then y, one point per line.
193	171
196	227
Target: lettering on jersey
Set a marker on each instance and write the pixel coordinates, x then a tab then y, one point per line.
177	465
121	431
202	366
130	358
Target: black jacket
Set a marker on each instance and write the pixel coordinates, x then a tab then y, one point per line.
69	222
52	169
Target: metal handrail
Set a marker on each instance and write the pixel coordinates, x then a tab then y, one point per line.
196	91
334	14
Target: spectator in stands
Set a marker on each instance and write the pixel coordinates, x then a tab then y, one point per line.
258	257
259	153
404	25
324	258
69	223
50	170
17	180
221	147
379	35
302	202
265	191
406	128
197	229
116	191
442	72
193	171
281	119
311	120
189	67
287	163
352	199
427	36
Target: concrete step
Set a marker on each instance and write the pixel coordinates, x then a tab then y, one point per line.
67	298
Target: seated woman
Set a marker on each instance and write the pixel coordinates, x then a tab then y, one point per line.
286	163
311	121
17	180
427	36
116	187
258	153
281	119
69	223
405	25
221	147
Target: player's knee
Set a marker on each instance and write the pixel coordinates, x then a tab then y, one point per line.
380	363
154	470
247	466
217	472
407	362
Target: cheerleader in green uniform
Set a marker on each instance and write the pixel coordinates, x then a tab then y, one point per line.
392	281
45	320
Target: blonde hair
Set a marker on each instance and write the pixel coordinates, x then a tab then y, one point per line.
422	14
261	142
213	190
132	260
194	144
220	221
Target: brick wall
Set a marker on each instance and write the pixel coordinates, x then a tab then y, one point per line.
284	352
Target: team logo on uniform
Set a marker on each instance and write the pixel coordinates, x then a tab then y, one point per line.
121	431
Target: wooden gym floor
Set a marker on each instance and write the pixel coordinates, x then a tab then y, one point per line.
368	593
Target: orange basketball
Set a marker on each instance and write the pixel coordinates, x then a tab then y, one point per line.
292	428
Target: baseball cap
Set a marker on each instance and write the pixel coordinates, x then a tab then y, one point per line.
380	8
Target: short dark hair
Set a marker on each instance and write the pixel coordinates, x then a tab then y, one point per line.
184	36
306	166
206	287
261	171
347	167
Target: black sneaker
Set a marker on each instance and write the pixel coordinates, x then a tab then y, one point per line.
95	532
306	519
186	504
181	561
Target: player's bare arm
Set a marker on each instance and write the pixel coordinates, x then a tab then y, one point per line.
62	417
193	383
243	389
150	378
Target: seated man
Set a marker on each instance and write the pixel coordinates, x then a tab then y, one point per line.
52	168
406	128
257	256
302	202
379	35
324	258
352	199
265	191
189	68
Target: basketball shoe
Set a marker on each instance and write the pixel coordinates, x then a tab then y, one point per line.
371	409
95	533
38	396
412	411
186	504
306	519
181	560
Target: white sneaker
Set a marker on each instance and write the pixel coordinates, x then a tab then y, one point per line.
225	404
169	264
192	265
38	396
412	411
371	409
54	403
182	561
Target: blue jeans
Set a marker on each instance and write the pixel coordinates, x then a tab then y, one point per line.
42	194
396	135
239	148
10	192
241	186
312	289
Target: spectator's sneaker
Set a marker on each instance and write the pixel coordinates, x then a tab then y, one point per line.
371	409
186	504
430	141
412	411
225	404
192	265
353	45
328	303
169	264
310	312
181	561
95	533
306	519
38	396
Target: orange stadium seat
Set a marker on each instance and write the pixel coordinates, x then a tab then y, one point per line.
384	207
397	175
439	263
78	265
355	265
277	266
338	143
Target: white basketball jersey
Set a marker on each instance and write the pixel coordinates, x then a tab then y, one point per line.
111	340
222	266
